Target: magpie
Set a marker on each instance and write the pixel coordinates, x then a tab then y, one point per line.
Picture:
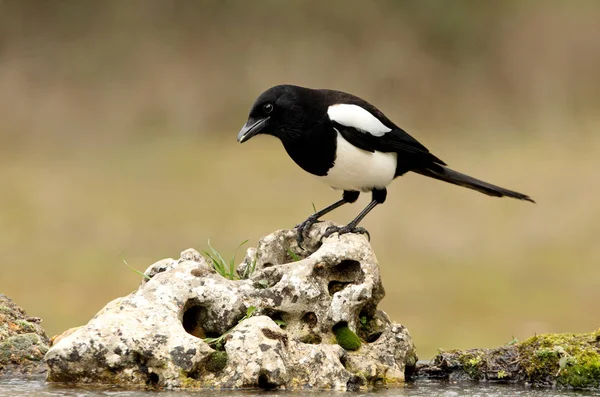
349	144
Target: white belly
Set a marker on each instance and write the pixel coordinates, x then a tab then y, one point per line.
360	170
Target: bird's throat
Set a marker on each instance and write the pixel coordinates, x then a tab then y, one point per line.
313	151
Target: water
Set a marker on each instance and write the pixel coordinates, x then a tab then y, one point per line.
39	388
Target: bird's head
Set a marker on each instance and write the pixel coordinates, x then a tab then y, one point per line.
275	112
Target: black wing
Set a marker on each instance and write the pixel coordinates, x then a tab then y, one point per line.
410	152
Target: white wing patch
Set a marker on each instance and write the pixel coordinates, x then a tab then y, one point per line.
357	117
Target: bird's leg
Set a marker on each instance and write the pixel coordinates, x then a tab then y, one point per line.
379	196
352	226
348	197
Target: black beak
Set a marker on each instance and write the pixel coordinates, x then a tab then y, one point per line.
251	128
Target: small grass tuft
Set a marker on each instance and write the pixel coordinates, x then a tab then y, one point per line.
281	323
136	270
223	267
293	255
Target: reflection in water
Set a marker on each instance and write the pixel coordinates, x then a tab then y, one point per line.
38	388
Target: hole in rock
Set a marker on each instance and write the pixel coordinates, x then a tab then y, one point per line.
373	337
152	379
311	339
277	317
347	270
264	382
344	360
336	286
341	275
355	383
192	321
310	319
199	321
141	360
371	324
268	264
190	325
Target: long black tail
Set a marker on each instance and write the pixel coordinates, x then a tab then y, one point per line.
447	175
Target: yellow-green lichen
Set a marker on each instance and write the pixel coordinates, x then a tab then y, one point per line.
24	326
472	364
189	382
345	337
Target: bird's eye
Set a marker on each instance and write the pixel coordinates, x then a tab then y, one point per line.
268	108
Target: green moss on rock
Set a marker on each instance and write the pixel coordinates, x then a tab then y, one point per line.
565	359
345	337
371	325
216	361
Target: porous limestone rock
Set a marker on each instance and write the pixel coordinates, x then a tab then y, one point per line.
23	341
285	326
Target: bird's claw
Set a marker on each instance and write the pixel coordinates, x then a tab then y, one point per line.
346	229
304	227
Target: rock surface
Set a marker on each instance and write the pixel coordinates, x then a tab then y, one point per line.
304	318
23	341
554	360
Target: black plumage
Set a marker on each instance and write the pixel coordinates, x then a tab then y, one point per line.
350	144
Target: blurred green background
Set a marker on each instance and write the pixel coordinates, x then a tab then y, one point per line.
118	123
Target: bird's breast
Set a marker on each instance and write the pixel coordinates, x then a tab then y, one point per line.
360	170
